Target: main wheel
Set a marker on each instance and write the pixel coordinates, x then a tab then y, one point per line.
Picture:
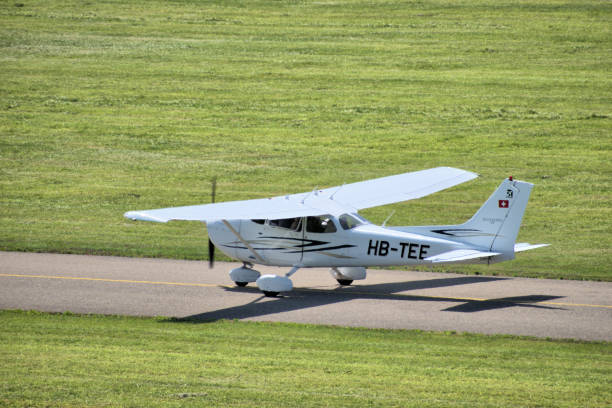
241	284
270	294
345	282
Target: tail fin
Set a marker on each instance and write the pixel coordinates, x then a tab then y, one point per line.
499	219
496	224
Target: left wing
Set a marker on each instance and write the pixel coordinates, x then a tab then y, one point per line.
334	200
278	207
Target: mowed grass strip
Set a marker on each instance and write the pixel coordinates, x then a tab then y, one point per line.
70	360
111	106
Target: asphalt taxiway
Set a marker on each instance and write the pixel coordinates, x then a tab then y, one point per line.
386	299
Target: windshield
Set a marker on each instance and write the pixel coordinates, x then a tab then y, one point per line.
350	221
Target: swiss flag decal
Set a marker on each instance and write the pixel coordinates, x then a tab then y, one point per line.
504	203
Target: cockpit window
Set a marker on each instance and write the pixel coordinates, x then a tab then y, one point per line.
294	224
259	221
348	221
320	224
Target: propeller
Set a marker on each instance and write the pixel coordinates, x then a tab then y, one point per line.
211	246
211	254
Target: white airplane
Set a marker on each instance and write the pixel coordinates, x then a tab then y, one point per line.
322	228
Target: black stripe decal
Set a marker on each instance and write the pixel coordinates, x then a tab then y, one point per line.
325	249
307	242
462	232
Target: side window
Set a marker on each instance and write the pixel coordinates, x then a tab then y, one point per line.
320	224
294	224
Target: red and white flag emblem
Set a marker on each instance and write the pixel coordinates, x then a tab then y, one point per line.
504	203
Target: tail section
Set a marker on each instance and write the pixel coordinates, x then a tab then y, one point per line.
496	224
491	233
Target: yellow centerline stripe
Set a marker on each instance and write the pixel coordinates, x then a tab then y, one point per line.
574	304
212	285
204	285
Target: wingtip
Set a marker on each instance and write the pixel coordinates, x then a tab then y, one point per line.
469	174
139	216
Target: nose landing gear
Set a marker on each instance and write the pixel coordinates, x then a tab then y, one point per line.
243	275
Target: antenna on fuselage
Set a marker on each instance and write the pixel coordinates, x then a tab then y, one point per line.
387	219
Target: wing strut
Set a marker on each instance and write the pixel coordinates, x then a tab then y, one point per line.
229	226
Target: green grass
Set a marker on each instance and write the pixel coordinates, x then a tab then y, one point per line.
49	360
109	106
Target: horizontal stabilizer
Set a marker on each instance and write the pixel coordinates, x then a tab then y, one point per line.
524	246
460	255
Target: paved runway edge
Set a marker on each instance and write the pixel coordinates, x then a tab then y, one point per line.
386	299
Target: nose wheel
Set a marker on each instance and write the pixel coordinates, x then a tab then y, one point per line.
244	274
345	282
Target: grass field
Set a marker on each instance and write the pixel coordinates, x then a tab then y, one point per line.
109	106
51	360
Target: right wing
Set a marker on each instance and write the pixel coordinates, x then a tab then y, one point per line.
335	200
402	187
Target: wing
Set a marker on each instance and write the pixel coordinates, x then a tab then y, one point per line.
402	187
334	200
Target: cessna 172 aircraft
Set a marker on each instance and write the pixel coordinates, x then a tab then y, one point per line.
322	228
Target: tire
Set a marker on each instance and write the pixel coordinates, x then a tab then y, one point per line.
241	284
270	294
345	282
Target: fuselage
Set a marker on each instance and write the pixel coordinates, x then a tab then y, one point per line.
324	241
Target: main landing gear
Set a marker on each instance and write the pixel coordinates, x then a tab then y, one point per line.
272	285
346	275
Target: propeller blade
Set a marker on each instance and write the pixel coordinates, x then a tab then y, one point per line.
211	254
211	246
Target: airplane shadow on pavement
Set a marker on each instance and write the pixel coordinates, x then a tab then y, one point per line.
303	298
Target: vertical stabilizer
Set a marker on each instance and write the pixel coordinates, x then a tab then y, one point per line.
496	224
490	235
